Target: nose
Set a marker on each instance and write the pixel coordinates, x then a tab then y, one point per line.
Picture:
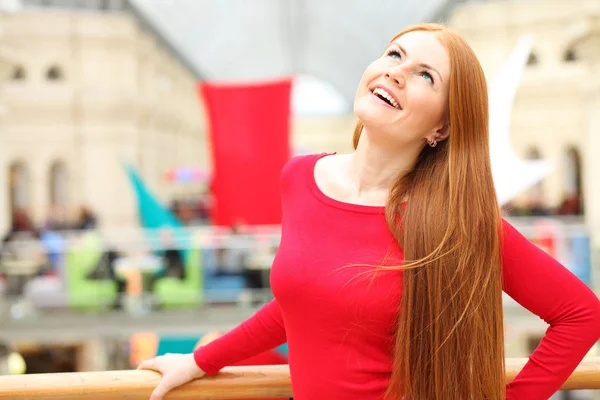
395	77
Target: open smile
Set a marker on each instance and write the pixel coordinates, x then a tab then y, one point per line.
387	97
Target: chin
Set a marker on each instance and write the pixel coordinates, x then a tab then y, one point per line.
376	127
364	112
370	116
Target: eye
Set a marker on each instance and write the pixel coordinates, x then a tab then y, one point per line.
394	54
427	76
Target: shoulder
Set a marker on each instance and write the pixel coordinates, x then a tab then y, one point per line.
301	165
510	234
330	170
517	249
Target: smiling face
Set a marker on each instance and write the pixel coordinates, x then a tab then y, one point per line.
402	98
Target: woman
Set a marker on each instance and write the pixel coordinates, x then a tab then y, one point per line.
417	191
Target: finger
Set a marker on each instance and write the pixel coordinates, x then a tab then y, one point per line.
160	391
151	364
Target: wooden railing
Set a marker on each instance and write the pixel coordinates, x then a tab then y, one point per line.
231	383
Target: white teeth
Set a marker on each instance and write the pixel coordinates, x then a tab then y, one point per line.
384	93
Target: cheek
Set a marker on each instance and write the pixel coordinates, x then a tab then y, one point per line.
372	72
360	90
361	108
361	94
427	106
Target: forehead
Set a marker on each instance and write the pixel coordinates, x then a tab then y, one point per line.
425	47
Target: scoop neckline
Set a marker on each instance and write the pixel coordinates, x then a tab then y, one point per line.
319	194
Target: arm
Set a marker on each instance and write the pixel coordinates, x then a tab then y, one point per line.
546	288
261	332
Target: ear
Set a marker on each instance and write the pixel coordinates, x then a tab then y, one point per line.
442	132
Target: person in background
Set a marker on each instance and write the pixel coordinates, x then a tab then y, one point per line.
21	226
233	255
172	257
21	243
53	243
571	205
87	220
105	269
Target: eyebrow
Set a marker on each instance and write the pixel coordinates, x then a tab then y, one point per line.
422	64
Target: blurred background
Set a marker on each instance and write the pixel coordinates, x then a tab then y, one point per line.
142	142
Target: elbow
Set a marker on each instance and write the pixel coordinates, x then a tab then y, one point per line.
596	318
591	316
584	318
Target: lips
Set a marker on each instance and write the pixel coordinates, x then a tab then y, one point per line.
387	96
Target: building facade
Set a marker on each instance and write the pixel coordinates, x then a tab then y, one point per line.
555	115
92	91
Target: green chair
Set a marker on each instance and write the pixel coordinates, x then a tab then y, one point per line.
83	293
173	293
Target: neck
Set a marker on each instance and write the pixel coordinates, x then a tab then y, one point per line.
375	167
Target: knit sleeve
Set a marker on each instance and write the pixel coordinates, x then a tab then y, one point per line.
546	288
261	332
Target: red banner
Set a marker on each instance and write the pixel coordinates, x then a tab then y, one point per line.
249	132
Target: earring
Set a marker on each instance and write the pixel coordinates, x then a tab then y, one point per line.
432	143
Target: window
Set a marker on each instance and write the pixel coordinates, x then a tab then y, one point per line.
533	154
54	73
18	180
533	59
19	74
535	201
570	55
572	201
59	184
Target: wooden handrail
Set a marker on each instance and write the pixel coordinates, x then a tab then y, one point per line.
230	383
585	376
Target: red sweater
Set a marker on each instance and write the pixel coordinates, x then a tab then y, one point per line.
339	323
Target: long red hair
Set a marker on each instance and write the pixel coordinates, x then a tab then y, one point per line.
450	341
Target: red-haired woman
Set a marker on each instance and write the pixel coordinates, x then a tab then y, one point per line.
389	278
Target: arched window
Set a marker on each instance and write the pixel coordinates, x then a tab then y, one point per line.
570	55
572	170
572	202
535	201
19	73
18	180
54	73
59	184
533	59
533	153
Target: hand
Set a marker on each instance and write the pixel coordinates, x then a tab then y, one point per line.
176	369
